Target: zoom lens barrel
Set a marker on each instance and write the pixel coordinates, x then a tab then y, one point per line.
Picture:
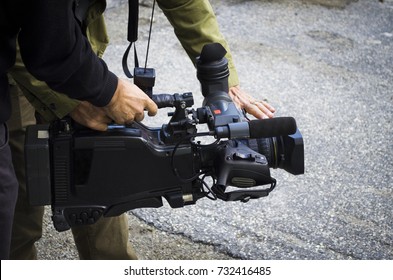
284	152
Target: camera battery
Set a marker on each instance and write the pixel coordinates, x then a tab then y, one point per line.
37	163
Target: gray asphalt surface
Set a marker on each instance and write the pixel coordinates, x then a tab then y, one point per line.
330	67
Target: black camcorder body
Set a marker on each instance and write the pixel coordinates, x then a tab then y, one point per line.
85	174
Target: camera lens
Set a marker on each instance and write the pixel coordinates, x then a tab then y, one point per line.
284	152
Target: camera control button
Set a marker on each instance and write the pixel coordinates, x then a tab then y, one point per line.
96	214
261	160
84	216
241	156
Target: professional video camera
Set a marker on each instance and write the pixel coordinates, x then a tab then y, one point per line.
86	174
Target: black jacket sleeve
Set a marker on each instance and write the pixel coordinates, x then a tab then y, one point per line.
54	50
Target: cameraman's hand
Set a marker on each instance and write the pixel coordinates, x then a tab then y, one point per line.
128	104
259	109
90	116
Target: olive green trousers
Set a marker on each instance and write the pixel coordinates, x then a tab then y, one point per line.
106	239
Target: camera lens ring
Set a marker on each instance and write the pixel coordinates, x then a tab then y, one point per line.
267	147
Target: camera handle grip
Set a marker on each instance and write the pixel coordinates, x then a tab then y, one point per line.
165	100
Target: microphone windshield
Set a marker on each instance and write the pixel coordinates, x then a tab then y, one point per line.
272	127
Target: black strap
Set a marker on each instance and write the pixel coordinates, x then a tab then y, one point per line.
125	58
132	34
133	15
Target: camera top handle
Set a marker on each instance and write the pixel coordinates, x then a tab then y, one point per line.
222	116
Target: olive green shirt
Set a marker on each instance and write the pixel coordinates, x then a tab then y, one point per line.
194	23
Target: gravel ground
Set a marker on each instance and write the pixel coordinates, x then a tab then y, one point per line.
329	65
149	243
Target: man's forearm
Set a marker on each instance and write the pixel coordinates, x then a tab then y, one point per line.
195	25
